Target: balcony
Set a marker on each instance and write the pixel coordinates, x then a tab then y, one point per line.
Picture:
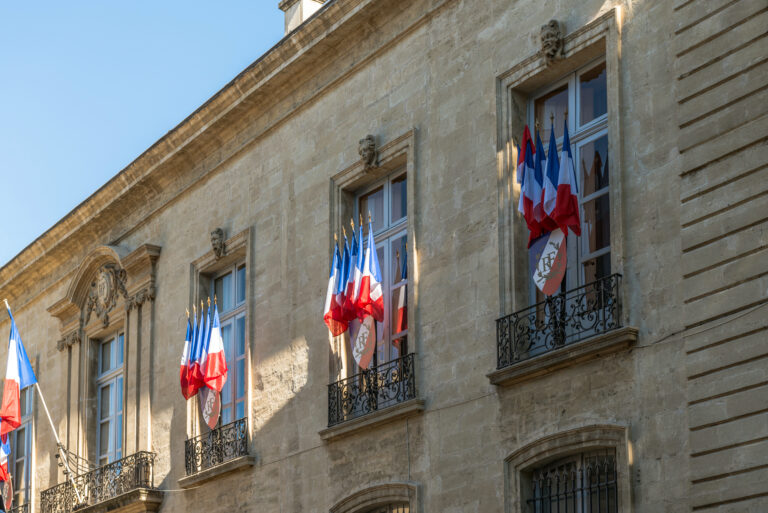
22	508
123	485
389	388
563	330
217	452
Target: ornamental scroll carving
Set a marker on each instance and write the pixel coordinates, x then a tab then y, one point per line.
68	341
106	289
141	297
368	153
552	47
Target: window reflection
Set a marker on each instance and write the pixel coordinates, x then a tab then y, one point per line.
593	157
555	102
593	99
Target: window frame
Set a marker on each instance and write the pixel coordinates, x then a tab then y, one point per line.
579	135
385	238
110	378
230	318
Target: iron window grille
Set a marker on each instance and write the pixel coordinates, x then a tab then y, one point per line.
584	484
22	508
218	446
559	320
373	389
101	484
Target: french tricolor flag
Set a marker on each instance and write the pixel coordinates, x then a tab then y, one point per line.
528	185
5	452
551	176
195	374
349	308
566	212
18	375
332	314
216	361
401	316
370	298
184	369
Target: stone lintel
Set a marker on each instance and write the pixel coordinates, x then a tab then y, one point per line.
141	500
377	418
240	463
613	341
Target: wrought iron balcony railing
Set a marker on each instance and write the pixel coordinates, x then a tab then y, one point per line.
373	389
216	447
559	320
100	485
22	508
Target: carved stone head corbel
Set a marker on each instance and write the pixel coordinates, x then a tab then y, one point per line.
217	242
552	47
368	152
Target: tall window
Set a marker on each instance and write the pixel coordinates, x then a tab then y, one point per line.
385	201
110	395
582	95
229	290
21	450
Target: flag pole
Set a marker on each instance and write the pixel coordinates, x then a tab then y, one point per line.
58	444
55	434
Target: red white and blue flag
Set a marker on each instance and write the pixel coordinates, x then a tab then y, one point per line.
333	314
18	375
216	361
350	312
566	212
184	368
369	296
195	374
5	452
401	313
548	261
551	177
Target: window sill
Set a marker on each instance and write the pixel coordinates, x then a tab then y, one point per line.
140	500
219	470
377	418
613	341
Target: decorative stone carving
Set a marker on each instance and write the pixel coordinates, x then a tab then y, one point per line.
552	41
141	297
106	288
217	242
368	152
68	341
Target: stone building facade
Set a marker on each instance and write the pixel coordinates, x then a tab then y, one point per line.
644	389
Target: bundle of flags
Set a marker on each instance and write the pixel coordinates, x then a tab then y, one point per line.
18	376
354	284
550	205
203	362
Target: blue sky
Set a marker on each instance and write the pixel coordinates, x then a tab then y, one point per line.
87	86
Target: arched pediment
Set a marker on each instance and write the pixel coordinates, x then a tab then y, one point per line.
80	286
383	494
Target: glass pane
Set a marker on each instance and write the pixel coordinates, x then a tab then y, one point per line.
593	157
106	401
226	335
21	446
240	284
119	394
240	336
223	290
104	438
373	203
103	461
240	410
399	347
106	356
399	309
593	101
119	437
120	350
597	268
240	378
555	102
19	478
596	225
24	400
398	191
226	415
398	258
